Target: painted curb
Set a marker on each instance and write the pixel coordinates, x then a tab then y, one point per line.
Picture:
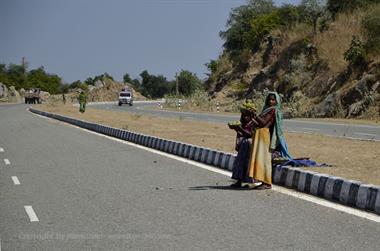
347	192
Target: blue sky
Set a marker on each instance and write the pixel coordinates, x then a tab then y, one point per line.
80	38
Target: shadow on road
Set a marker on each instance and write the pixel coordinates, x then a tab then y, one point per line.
202	188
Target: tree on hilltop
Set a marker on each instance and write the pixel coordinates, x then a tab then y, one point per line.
314	10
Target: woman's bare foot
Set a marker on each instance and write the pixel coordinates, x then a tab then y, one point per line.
263	186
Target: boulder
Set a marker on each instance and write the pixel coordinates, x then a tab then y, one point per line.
22	92
376	87
99	84
355	109
91	88
44	95
329	107
3	91
360	107
360	90
13	96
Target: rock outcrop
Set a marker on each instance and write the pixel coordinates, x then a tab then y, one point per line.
302	77
3	91
9	94
14	96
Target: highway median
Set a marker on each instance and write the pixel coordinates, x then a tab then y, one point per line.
341	190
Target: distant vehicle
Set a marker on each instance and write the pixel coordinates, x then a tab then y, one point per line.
32	96
126	97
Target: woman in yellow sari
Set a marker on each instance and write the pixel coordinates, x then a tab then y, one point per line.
268	137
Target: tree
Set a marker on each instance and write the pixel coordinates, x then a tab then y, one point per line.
40	79
16	76
3	74
106	75
188	82
127	78
239	23
289	15
212	66
64	88
89	81
261	26
155	86
75	84
313	10
136	84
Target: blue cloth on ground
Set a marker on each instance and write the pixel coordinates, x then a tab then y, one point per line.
305	162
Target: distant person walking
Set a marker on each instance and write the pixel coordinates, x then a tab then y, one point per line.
64	98
268	138
82	101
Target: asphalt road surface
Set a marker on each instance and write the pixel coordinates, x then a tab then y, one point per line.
355	131
62	188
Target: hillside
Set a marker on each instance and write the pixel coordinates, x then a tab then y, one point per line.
310	71
103	90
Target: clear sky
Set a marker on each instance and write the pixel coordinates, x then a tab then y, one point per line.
77	39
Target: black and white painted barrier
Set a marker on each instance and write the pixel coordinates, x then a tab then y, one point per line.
348	192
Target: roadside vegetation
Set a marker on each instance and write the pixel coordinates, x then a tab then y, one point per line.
323	55
19	77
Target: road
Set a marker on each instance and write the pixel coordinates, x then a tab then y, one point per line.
63	188
355	131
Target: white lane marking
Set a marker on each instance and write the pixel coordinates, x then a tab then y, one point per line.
326	203
335	136
15	180
366	134
309	198
32	215
331	123
310	129
1	150
7	162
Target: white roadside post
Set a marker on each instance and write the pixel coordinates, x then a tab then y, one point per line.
217	106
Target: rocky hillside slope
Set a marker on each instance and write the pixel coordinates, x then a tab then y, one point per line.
309	71
103	90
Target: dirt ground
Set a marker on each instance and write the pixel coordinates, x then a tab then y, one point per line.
352	159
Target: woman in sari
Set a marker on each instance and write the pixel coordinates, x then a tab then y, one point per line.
267	139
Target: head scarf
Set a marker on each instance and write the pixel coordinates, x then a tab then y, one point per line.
279	115
278	140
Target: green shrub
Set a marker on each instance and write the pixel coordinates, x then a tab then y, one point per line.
356	53
289	15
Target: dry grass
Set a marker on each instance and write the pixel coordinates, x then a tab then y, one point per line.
336	40
353	159
298	32
332	43
346	121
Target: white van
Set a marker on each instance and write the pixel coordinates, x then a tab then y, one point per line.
126	97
